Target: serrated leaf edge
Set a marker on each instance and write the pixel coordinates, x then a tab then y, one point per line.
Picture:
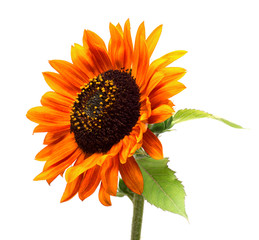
155	181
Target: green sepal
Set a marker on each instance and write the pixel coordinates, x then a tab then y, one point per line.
123	190
162	127
161	187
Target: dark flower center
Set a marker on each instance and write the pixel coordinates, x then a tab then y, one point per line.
106	110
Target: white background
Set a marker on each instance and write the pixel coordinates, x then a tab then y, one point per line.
217	164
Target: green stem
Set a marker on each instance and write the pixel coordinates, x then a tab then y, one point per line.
138	206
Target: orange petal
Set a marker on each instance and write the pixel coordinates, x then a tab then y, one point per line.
61	150
88	163
52	140
170	74
145	109
131	175
83	61
69	72
143	126
152	145
90	36
135	147
98	49
71	189
140	58
153	39
50	180
52	137
127	45
168	85
59	85
160	114
104	197
109	175
118	26
114	151
167	91
153	82
90	182
137	132
44	154
116	47
48	128
56	101
140	35
48	116
168	102
143	64
55	170
126	147
141	32
164	61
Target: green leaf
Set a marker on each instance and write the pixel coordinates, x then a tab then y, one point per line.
185	115
189	114
161	187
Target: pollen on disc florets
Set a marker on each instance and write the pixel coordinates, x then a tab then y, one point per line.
106	110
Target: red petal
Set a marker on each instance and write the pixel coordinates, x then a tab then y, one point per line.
131	175
152	145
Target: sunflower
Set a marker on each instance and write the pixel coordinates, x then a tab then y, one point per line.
98	113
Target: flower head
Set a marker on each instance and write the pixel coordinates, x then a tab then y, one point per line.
98	113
